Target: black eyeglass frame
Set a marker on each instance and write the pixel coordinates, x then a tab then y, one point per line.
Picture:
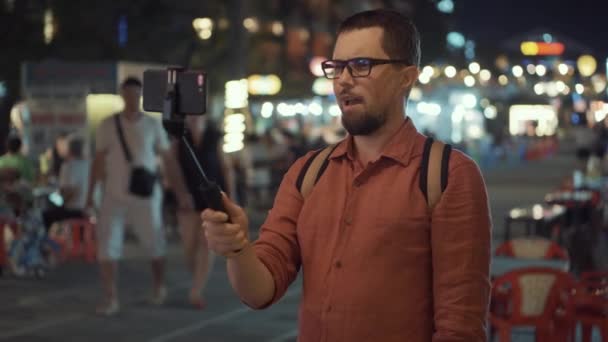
341	64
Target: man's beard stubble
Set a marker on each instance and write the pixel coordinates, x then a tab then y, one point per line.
365	124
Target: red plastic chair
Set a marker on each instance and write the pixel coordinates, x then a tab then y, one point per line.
6	223
535	248
537	297
590	304
77	239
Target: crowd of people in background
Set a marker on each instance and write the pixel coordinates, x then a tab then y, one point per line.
78	179
30	248
250	176
77	172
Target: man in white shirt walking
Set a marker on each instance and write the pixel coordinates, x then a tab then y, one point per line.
144	141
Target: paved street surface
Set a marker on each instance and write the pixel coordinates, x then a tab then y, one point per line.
61	306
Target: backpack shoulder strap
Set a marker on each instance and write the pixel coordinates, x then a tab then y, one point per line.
313	169
434	170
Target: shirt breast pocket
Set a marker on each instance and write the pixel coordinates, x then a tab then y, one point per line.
402	234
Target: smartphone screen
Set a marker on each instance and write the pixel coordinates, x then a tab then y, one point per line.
192	88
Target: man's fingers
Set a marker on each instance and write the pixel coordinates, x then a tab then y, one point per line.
231	208
228	229
214	216
223	237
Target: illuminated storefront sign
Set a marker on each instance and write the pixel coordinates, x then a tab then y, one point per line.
264	84
542	49
521	118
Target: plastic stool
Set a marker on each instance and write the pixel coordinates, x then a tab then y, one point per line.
79	241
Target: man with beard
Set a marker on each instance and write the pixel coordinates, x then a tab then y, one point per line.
379	264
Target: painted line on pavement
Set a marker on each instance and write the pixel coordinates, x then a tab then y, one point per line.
286	336
29	301
28	330
74	317
199	325
207	322
37	299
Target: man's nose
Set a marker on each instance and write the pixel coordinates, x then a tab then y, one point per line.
346	77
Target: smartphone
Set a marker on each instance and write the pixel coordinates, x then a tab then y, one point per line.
191	85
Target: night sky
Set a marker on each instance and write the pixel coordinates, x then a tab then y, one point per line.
490	21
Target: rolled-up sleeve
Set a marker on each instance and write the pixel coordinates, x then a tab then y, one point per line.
277	246
461	246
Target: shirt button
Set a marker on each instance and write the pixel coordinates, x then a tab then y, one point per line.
348	220
328	309
357	183
338	264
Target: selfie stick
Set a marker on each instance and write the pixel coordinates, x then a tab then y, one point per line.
173	121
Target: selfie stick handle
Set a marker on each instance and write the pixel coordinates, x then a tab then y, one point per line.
210	190
172	118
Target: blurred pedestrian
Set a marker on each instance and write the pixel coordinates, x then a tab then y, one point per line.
58	154
128	145
184	180
73	184
14	159
586	139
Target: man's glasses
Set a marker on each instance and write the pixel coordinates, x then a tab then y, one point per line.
357	67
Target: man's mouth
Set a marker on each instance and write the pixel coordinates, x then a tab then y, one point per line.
351	101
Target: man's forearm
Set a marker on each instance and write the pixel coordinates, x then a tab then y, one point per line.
250	278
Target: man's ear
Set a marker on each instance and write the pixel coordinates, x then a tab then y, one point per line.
409	76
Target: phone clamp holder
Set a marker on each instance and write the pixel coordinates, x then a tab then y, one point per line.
174	124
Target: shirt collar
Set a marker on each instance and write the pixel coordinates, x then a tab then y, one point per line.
398	148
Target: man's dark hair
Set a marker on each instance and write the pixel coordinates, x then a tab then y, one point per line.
400	40
13	144
131	82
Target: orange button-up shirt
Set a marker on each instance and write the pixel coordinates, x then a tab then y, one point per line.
377	264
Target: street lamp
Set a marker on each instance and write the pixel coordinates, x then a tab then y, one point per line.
277	28
586	65
251	24
49	26
450	71
541	70
518	71
474	68
203	27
